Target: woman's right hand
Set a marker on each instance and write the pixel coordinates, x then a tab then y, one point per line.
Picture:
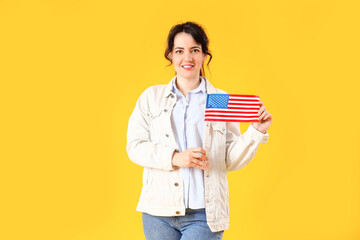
193	157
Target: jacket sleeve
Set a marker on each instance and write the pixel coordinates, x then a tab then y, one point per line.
241	148
141	150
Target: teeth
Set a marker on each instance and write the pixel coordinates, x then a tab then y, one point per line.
187	66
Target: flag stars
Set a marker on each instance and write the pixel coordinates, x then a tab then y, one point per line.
217	100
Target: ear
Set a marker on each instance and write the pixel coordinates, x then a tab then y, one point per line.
170	56
205	57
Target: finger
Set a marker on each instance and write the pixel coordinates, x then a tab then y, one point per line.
200	167
268	116
199	149
199	156
263	115
261	110
199	163
196	166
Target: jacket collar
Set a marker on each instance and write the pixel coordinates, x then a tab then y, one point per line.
209	87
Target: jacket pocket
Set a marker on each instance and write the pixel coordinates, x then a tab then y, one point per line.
219	127
154	113
159	118
159	193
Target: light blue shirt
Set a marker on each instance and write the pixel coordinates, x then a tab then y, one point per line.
187	121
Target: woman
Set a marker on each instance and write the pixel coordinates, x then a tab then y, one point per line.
185	189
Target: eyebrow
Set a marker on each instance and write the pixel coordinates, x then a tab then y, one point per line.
190	48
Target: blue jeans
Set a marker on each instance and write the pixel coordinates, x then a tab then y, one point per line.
192	226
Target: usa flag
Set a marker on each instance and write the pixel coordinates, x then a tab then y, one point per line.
232	108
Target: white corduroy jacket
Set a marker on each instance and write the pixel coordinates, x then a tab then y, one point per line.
151	144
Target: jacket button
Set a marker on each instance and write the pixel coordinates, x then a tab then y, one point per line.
167	135
165	110
176	184
207	176
172	96
177	212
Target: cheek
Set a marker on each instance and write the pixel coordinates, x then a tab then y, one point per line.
175	60
175	63
200	61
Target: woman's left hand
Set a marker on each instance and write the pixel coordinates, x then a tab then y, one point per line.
265	119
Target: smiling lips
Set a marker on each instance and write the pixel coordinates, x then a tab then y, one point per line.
188	67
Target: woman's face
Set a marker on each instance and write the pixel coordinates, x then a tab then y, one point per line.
187	56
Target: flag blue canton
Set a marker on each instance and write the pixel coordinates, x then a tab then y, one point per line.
217	100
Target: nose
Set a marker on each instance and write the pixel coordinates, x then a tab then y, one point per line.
188	56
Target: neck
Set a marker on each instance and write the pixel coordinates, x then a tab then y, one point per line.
186	85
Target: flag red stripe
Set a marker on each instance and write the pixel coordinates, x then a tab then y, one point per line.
244	104
243	100
224	111
228	120
230	116
238	95
243	108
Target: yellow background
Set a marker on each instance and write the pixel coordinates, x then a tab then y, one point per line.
71	72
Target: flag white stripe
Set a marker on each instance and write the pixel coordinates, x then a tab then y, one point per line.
242	106
244	102
232	118
229	114
231	110
244	98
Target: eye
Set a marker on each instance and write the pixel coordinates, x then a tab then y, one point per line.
196	50
178	51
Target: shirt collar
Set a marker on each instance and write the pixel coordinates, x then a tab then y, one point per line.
208	86
200	88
